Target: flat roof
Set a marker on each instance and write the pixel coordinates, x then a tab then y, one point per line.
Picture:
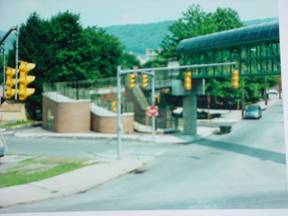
245	35
58	97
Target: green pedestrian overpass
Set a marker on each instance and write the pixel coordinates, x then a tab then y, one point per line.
255	48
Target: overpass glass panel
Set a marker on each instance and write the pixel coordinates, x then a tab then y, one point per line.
256	48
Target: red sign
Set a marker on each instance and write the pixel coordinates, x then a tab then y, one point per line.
152	111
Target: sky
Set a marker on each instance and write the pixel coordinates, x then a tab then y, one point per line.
117	12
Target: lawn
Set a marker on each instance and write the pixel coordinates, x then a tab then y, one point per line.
36	169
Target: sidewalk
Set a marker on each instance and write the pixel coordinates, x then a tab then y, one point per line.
159	138
68	183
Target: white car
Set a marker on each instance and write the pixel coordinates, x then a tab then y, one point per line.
272	91
253	112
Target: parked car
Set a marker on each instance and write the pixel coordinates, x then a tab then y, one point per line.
253	112
272	92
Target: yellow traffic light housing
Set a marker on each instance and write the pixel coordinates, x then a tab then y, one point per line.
10	83
114	106
132	80
145	81
25	80
235	80
188	81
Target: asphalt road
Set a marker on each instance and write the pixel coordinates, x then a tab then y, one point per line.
74	147
243	169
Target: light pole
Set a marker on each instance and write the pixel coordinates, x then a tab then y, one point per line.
119	116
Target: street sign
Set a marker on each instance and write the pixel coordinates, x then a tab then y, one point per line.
152	111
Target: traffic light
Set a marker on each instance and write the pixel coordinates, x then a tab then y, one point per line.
235	79
132	80
114	106
10	83
145	81
25	80
188	81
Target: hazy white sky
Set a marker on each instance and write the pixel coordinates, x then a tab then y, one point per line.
115	12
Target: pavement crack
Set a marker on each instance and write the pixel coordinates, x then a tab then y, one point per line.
43	188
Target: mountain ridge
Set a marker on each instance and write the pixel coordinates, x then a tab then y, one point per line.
139	37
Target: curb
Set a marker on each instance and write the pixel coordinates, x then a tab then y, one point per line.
161	138
65	184
24	126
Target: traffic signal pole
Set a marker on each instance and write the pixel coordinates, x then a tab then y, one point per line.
2	40
4	68
153	104
6	35
16	62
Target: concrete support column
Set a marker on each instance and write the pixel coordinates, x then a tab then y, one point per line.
190	108
190	114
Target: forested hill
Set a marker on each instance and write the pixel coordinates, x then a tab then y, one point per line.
138	37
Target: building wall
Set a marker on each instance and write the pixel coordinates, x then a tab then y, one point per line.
66	117
13	116
108	124
10	111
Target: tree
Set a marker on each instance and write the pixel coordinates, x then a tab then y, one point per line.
65	51
195	22
225	18
101	54
128	61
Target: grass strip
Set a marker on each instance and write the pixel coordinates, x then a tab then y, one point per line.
12	124
19	177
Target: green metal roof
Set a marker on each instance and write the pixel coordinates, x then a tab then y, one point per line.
235	37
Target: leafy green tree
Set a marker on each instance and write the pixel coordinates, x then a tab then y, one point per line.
128	61
225	18
101	53
65	51
195	22
66	32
